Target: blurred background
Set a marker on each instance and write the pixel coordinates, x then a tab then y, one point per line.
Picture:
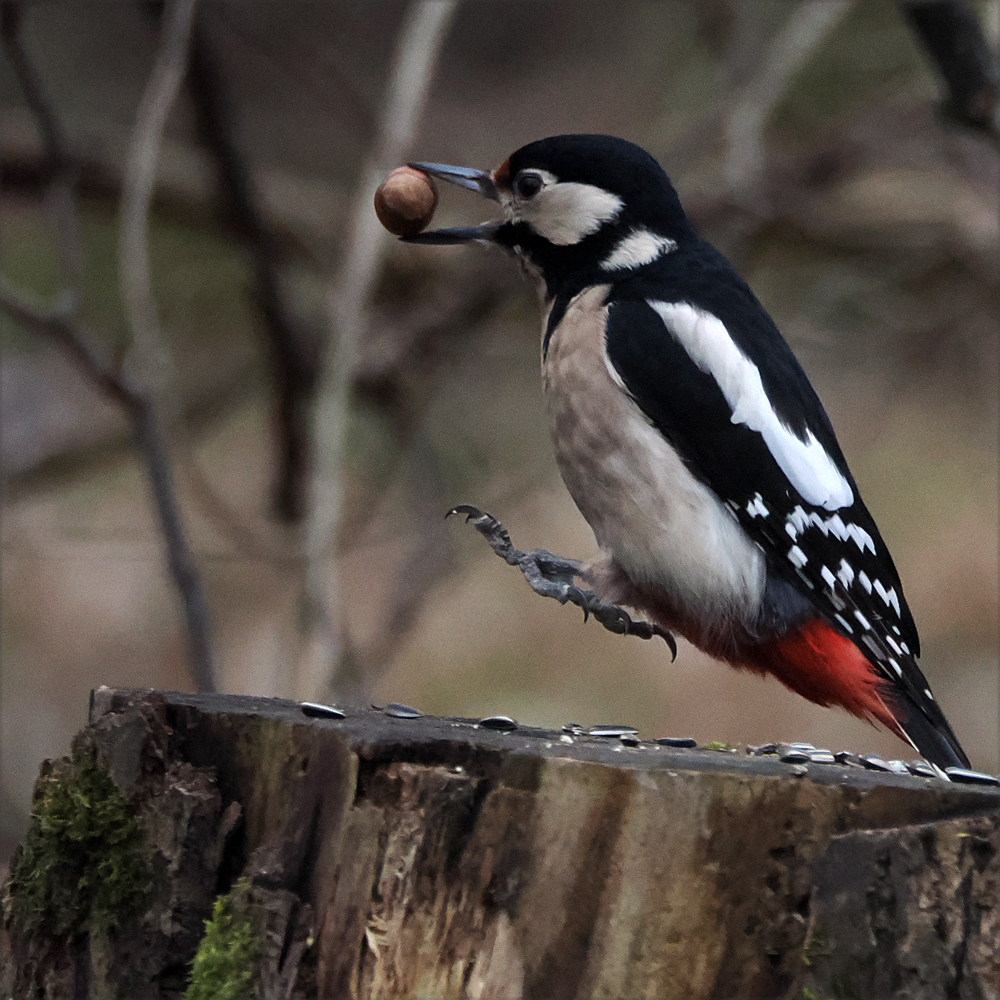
324	394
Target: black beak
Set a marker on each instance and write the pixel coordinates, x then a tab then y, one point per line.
473	180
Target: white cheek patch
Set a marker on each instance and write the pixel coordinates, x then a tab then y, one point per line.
565	212
805	462
641	246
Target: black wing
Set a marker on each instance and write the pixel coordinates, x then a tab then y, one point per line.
835	558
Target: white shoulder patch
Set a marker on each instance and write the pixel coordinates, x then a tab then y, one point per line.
806	463
641	246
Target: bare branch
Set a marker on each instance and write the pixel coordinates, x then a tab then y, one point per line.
53	137
950	32
62	168
60	326
148	359
293	352
139	180
59	323
419	43
809	23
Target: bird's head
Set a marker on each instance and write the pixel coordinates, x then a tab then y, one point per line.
576	207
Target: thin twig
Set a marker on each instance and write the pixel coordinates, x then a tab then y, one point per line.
808	24
292	352
419	43
950	32
61	168
137	189
147	361
59	324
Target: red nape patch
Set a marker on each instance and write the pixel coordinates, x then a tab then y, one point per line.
501	176
820	664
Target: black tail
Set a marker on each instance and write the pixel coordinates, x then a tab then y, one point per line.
927	729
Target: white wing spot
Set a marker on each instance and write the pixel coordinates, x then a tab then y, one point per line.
894	601
861	538
804	461
846	573
828	576
797	557
756	508
843	621
904	647
865	582
833	525
927	691
800	520
865	624
896	667
837	527
889	596
872	645
893	644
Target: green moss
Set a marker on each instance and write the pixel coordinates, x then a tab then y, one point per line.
817	948
83	862
808	993
225	967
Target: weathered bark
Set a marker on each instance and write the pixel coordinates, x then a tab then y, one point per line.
434	858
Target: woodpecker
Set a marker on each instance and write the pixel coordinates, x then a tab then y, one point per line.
693	442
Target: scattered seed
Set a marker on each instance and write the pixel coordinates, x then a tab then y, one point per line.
802	746
398	711
504	723
682	742
875	763
822	757
921	769
795	757
763	751
612	731
317	711
847	758
967	777
629	739
799	770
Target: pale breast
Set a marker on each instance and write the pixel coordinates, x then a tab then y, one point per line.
662	526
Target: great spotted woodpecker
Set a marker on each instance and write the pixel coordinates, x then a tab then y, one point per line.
693	442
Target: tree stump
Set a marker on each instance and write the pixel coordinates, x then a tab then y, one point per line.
383	856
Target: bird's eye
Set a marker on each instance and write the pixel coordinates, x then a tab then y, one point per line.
527	184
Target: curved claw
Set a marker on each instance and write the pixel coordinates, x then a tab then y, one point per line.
668	638
576	596
468	509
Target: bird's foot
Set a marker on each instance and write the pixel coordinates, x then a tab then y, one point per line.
554	576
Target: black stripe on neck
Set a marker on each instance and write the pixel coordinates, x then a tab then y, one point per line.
556	313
